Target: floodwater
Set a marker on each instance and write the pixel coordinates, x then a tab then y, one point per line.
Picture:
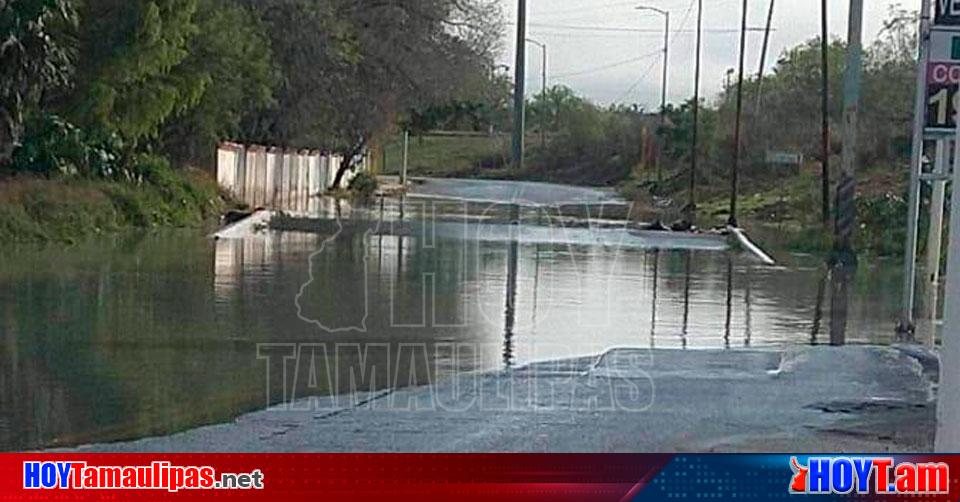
133	336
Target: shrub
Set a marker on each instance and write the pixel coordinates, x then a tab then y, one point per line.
364	184
52	146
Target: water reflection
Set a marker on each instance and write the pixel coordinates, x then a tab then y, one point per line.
122	338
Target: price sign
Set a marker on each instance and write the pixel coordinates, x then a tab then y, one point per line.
945	45
943	98
948	13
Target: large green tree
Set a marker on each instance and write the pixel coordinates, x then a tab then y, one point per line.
131	78
231	53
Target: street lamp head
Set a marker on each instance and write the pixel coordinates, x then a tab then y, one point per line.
653	9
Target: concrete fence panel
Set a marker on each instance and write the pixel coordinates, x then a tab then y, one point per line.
280	179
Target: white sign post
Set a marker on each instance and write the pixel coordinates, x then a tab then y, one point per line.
948	409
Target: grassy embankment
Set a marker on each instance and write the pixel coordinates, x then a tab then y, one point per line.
39	210
788	214
784	215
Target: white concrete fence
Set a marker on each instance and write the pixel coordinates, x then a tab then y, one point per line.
279	179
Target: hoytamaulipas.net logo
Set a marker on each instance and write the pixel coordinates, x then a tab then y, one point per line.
65	475
868	475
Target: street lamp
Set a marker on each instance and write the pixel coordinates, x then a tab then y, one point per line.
663	86
543	87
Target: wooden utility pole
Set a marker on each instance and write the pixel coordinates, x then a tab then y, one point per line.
844	259
694	154
846	188
763	54
735	175
519	86
663	85
825	116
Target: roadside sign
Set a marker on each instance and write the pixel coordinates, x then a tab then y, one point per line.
943	78
785	158
945	45
948	13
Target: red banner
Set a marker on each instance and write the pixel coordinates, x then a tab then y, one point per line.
332	477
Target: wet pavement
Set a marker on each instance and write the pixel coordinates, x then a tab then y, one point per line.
823	399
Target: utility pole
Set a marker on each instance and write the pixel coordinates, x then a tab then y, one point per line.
906	326
663	85
692	205
844	258
847	186
824	116
543	90
519	86
735	178
763	54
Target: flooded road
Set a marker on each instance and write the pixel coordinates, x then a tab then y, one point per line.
128	337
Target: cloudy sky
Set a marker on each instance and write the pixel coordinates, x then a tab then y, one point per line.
590	42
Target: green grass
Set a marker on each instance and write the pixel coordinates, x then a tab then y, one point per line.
448	155
38	210
790	214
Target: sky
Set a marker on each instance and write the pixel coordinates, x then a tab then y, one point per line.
595	62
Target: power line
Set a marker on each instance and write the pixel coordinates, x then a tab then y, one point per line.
585	9
608	66
636	84
621	29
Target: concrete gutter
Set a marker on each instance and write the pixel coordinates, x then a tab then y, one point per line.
741	238
256	222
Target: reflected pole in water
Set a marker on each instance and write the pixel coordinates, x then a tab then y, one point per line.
840	278
729	317
818	307
686	299
747	329
510	310
653	308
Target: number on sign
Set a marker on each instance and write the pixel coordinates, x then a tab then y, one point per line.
940	113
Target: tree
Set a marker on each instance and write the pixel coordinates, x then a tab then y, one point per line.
33	59
131	78
232	55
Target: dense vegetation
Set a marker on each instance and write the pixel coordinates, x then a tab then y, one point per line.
121	90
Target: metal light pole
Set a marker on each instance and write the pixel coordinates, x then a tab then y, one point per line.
663	85
916	160
692	205
519	87
735	178
543	90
